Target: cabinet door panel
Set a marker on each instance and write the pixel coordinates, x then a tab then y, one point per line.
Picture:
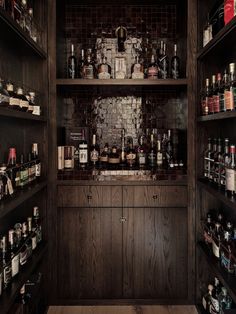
155	253
155	196
89	196
90	253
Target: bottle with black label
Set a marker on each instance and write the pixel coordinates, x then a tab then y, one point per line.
152	155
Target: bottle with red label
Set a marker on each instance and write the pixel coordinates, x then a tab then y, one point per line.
228	93
205	98
211	95
217	93
232	82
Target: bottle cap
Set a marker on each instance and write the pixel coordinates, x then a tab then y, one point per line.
232	149
19	91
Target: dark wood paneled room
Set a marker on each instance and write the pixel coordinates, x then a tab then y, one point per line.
117	163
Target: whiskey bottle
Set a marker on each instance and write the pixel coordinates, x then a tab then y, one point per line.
24	174
24	104
141	155
104	69
14	254
152	155
215	306
72	64
94	151
81	64
114	157
217	163
137	69
227	249
88	69
83	151
68	157
35	158
4	96
159	153
217	94
36	224
175	64
217	238
232	83
206	300
123	150
14	101
212	160
5	263
11	170
205	99
164	64
131	154
211	95
207	158
225	163
152	72
230	172
104	156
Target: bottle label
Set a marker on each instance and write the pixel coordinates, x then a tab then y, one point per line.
15	265
104	158
94	155
68	163
9	186
36	110
137	73
216	103
215	249
229	104
24	104
14	102
83	156
33	172
210	105
88	72
230	179
131	158
141	158
152	159
159	158
7	275
103	72
23	177
38	169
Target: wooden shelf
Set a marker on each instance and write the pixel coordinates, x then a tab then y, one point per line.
225	35
9	295
6	206
120	82
218	193
12	33
218	116
11	113
228	280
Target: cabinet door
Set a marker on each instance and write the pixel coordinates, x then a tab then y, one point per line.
155	253
89	253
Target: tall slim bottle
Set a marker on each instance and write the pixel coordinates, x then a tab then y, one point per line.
231	172
175	64
72	64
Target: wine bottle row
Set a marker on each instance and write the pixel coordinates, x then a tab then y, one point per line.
219	165
22	14
16	175
147	63
219	95
216	300
220	236
155	152
18	99
17	248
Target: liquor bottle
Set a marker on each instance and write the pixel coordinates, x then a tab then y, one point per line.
31	104
32	233
164	64
14	101
104	69
141	153
207	157
72	64
217	94
24	174
24	104
4	96
152	72
227	249
68	157
226	87
123	149
83	151
225	163
215	306
208	229
206	300
35	158
11	170
30	168
121	34
218	157
205	99
120	66
169	149
131	154
114	157
34	33
225	301
14	254
104	156
175	64
230	172
23	6
5	263
36	224
217	237
88	68
211	95
137	69
159	153
17	11
94	151
81	64
212	160
152	155
232	83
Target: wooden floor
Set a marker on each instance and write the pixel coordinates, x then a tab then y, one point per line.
139	309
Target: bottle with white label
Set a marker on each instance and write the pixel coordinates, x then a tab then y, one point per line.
14	101
159	154
231	172
68	157
35	158
24	103
83	151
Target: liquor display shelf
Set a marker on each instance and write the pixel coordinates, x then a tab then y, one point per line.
12	32
19	197
218	193
218	116
121	82
220	41
11	113
228	280
9	295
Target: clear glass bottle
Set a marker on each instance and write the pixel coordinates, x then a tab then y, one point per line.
137	69
83	151
104	69
152	155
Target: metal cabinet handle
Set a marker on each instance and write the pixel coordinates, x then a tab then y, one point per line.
123	219
89	197
155	196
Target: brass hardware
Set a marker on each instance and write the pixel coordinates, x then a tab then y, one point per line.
123	219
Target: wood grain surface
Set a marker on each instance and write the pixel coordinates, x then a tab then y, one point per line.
153	309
